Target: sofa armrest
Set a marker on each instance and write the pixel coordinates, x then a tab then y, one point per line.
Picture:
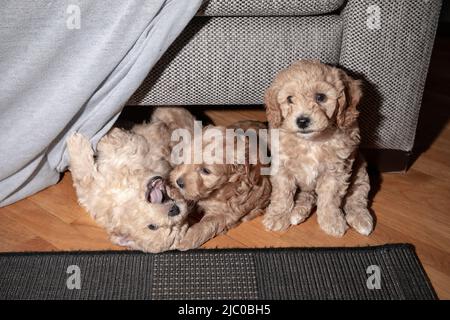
389	44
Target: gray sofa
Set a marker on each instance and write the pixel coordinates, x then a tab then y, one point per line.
232	49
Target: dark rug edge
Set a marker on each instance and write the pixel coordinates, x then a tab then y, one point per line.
215	250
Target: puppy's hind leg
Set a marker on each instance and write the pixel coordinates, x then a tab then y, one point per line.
356	200
82	165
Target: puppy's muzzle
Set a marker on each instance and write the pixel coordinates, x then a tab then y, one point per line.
174	211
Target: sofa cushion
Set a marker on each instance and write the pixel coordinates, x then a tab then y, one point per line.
268	7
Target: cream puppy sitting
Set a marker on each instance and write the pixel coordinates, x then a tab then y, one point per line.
313	106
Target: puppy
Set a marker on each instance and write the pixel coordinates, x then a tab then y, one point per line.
124	185
226	193
313	106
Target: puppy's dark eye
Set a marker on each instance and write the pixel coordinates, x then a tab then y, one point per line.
320	97
152	226
205	171
289	99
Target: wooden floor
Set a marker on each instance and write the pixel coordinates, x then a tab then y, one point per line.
412	207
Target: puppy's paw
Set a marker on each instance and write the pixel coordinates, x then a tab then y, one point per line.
185	244
297	219
361	221
277	222
124	241
77	143
333	223
299	214
182	247
190	240
81	160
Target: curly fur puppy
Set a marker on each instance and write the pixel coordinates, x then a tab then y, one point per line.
226	193
314	107
123	186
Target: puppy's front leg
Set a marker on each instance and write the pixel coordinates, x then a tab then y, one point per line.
159	240
81	158
278	212
330	192
303	205
355	202
207	228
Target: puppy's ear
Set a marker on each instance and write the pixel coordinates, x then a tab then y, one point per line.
273	110
348	101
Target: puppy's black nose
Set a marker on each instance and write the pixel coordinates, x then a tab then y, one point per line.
303	122
174	211
180	183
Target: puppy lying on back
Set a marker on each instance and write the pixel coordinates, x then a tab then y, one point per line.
124	187
226	193
313	106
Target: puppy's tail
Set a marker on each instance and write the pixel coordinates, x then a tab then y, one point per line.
82	164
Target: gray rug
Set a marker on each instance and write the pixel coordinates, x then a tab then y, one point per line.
384	272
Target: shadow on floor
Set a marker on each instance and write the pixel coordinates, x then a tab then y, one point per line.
435	110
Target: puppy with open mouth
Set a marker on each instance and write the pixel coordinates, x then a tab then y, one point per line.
124	186
172	210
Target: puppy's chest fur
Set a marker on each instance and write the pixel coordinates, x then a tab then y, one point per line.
306	161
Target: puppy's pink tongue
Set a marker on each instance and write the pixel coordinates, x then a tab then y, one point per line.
156	196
